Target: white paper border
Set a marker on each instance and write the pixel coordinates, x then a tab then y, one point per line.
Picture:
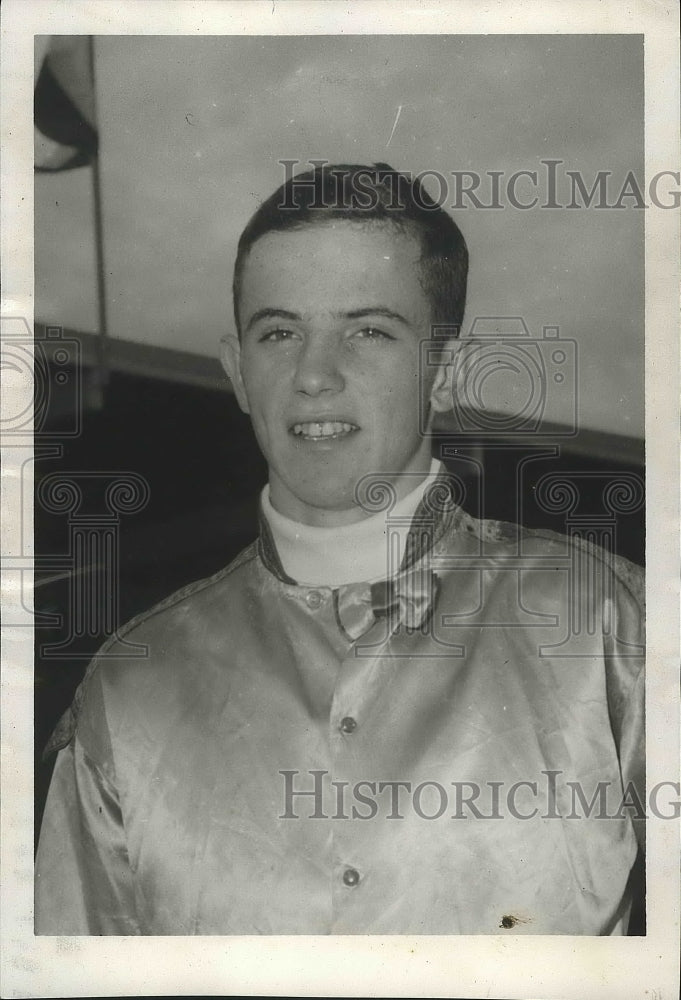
519	966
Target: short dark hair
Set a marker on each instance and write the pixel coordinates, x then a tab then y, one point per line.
375	194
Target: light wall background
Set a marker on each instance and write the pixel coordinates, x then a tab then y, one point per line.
192	130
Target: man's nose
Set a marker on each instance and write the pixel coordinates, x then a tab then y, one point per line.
318	369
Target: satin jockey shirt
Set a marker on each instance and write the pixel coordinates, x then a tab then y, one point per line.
451	746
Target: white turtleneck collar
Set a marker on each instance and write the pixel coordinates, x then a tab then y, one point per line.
334	557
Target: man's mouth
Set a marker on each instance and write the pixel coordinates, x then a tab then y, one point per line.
323	430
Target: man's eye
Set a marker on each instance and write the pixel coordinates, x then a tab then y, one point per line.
374	333
276	335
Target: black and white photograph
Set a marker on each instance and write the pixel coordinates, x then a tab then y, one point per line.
341	446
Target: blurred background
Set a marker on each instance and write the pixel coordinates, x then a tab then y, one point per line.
151	155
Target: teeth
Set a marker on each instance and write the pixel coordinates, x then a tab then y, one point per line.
325	429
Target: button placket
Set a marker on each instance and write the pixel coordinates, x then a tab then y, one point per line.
358	683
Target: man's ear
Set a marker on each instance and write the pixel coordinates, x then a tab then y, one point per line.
442	392
230	355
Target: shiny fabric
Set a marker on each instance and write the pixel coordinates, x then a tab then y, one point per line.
496	657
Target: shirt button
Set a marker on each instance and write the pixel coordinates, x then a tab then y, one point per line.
348	724
351	877
313	599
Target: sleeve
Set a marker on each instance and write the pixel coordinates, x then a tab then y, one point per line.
625	665
632	755
83	881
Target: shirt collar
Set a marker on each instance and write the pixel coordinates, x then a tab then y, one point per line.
420	519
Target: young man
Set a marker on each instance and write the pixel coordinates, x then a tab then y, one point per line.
380	718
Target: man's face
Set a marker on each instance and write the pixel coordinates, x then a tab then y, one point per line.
332	317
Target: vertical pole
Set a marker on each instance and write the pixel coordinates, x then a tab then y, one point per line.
102	345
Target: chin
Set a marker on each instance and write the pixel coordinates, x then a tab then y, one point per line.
331	501
327	497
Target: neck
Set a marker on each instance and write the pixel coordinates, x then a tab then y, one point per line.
336	556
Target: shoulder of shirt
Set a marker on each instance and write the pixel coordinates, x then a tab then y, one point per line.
185	593
542	541
66	726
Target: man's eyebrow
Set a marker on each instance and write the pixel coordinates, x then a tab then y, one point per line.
376	311
269	313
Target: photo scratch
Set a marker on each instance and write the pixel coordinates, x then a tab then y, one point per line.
397	118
